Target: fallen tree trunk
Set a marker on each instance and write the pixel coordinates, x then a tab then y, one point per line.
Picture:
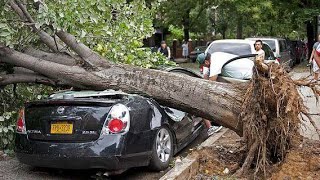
212	100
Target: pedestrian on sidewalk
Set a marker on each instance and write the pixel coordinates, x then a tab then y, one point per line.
205	59
165	50
185	49
315	67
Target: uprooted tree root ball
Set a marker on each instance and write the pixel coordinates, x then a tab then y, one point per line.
271	117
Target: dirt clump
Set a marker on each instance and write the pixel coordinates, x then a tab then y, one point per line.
225	157
300	163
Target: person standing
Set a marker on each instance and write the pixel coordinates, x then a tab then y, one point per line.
312	60
185	49
165	50
205	59
259	50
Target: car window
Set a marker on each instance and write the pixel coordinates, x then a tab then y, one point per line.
271	43
268	52
232	48
283	45
200	48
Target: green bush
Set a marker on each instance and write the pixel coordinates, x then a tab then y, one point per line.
13	99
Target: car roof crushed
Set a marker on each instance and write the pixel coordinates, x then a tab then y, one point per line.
88	94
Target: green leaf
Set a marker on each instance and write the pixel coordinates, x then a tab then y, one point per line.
4	34
5	141
11	128
5	130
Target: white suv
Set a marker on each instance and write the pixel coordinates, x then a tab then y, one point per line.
239	47
280	48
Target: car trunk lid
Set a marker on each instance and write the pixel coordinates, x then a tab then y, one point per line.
66	121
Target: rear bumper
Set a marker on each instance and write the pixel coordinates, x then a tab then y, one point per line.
105	153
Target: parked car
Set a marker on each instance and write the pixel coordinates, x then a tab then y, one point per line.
280	48
197	50
240	47
237	49
298	51
109	129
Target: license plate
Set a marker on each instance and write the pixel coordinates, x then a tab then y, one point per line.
61	128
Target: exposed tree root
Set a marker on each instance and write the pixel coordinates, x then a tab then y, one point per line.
270	117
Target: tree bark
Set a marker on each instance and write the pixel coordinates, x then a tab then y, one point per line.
310	36
59	58
27	78
186	25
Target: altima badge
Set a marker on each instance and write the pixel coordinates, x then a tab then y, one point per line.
60	110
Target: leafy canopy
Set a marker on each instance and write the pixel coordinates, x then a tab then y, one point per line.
114	28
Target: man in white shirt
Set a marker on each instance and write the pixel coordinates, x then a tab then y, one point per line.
238	69
258	48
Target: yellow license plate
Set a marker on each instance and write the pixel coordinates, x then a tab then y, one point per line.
61	128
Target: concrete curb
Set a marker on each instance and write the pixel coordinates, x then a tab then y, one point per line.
190	164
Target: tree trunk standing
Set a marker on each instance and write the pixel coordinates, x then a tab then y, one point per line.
186	25
310	36
239	27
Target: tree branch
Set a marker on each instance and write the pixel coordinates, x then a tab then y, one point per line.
21	10
48	69
59	58
28	78
21	70
89	56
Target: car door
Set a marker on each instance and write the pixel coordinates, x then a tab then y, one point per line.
285	56
269	54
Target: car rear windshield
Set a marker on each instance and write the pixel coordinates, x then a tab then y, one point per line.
271	43
233	48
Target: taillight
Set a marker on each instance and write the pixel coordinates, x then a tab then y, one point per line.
21	127
118	120
115	125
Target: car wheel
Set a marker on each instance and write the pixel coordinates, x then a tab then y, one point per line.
162	150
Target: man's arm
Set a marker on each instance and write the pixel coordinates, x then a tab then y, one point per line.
312	54
213	78
169	53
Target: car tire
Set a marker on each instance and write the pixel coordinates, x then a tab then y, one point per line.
162	151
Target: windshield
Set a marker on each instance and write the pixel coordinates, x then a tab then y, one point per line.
232	48
200	48
271	43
